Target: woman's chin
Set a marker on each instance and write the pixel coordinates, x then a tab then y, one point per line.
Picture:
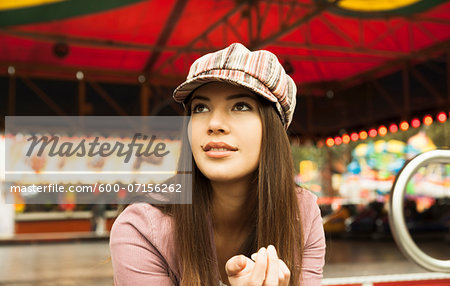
220	178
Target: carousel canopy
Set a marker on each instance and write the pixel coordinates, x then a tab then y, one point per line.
328	46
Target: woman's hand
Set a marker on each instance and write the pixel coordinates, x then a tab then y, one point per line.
266	270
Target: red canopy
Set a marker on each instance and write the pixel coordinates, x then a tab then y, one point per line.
117	40
377	61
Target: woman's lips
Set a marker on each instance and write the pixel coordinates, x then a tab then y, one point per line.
218	149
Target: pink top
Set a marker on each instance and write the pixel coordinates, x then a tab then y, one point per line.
142	245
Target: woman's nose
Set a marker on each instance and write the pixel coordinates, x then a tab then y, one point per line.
218	123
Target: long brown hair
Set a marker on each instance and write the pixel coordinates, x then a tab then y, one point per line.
275	219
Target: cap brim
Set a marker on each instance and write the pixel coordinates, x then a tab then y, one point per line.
186	88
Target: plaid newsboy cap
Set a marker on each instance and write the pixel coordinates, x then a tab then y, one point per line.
259	71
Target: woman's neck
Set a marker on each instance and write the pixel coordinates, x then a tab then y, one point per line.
231	206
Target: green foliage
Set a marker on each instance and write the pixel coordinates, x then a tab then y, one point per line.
310	152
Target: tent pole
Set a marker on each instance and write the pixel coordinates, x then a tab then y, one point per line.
145	96
81	97
448	74
12	95
406	91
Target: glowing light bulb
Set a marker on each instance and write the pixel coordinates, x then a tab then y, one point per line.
404	126
363	135
393	128
382	130
345	138
329	142
415	123
428	120
442	117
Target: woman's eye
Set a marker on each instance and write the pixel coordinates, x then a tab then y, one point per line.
199	108
242	106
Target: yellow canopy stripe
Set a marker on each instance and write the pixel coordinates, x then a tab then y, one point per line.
17	4
374	5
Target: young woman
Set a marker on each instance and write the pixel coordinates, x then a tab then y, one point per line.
248	223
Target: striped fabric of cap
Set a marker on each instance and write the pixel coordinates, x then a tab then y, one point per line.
259	71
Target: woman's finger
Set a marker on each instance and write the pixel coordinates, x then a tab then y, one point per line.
284	268
281	278
284	272
259	270
235	265
272	273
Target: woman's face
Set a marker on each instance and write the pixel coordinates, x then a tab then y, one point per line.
226	131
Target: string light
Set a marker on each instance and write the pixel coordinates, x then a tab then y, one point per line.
442	117
363	135
345	138
427	120
11	70
415	122
79	75
393	128
329	142
320	144
382	130
404	126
